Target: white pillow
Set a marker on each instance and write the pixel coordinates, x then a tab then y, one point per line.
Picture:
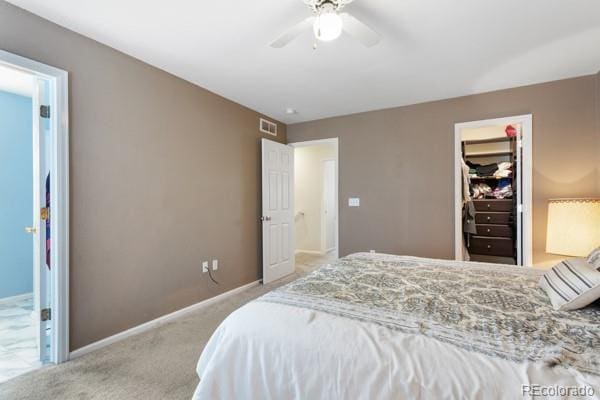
571	284
594	258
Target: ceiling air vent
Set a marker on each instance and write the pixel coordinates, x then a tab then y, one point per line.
268	127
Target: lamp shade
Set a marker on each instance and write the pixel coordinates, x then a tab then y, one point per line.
573	226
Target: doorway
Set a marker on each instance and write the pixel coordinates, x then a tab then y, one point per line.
34	215
315	202
493	192
299	221
329	207
18	338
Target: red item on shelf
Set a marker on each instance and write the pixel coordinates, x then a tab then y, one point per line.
511	131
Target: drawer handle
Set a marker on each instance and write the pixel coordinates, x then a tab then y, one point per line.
489	246
488	230
489	205
489	218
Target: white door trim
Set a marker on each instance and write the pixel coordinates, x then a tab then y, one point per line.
335	143
527	170
60	195
324	248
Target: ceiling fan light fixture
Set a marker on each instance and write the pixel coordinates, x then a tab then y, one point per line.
328	26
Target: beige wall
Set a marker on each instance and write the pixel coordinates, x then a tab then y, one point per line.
308	194
164	175
399	162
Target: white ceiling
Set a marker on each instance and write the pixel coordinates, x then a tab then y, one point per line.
14	81
431	49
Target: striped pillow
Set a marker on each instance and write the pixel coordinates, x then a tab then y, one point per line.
571	284
594	258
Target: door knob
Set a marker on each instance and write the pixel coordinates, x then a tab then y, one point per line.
265	218
30	229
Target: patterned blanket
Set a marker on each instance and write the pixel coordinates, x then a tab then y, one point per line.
493	309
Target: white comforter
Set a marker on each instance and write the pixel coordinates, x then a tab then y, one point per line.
266	350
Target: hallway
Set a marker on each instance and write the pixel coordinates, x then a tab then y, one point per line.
308	262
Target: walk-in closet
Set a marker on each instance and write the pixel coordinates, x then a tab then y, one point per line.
491	192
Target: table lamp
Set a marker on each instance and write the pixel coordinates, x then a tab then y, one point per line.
573	226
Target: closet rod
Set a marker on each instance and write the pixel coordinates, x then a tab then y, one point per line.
490	140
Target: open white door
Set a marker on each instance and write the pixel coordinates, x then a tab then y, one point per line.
277	210
329	206
518	187
41	217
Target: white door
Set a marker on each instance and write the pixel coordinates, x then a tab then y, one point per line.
329	205
518	187
41	217
277	210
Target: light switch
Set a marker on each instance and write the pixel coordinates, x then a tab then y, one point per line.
354	202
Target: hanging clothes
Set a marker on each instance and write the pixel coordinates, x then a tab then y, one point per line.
469	218
468	206
466	185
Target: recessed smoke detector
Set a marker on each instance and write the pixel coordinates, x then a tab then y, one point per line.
290	111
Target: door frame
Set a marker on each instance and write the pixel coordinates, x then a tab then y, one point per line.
335	142
324	162
59	165
526	122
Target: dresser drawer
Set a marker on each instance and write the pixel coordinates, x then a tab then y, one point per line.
494	230
493	205
498	218
491	246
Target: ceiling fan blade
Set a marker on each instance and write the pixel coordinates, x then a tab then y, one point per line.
359	30
293	33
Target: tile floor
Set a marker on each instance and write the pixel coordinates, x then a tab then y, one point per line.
18	348
307	262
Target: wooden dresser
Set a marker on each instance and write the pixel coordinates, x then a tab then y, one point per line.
495	236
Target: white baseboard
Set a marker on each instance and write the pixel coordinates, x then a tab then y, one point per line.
157	322
19	297
319	253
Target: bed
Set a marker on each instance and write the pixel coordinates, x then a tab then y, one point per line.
376	326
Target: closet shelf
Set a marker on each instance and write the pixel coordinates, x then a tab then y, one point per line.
489	154
487	178
491	140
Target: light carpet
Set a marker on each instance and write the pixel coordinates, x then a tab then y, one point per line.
156	365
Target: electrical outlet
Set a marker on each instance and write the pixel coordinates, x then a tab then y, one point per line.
204	266
215	265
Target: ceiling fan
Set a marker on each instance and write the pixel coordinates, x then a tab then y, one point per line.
328	23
